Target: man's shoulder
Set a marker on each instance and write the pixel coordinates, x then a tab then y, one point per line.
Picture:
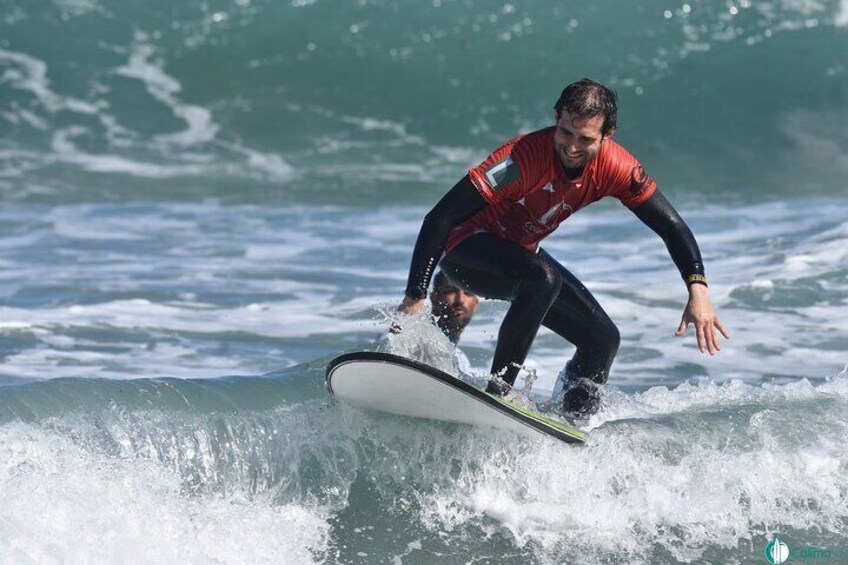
533	139
613	159
534	150
613	151
622	175
516	166
541	138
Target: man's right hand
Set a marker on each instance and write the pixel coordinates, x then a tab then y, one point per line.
409	307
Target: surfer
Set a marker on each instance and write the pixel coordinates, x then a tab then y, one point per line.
490	224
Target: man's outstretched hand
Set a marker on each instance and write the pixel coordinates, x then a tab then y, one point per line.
409	307
700	313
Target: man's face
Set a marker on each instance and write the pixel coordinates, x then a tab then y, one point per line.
578	140
453	306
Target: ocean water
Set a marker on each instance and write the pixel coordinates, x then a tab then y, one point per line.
202	203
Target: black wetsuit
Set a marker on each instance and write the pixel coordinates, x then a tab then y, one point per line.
542	291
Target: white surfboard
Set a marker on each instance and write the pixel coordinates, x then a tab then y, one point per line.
390	383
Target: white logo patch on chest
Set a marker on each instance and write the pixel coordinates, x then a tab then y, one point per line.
553	213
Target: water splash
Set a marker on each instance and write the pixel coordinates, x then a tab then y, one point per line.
418	337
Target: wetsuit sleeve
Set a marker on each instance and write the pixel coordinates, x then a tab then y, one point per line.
659	215
459	204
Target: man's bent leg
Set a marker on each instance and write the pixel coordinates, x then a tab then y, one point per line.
495	268
577	316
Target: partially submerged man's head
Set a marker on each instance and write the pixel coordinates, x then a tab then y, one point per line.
453	307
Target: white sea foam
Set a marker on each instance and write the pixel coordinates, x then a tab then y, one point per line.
289	319
685	485
62	503
130	152
29	73
78	8
841	18
66	152
289	274
200	127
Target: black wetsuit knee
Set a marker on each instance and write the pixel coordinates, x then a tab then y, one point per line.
608	338
537	288
540	281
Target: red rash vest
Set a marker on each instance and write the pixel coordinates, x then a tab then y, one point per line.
529	194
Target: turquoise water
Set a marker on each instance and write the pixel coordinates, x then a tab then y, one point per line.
202	203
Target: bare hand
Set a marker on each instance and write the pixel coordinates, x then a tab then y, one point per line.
409	307
700	313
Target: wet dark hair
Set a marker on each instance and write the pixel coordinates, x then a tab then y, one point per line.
587	99
441	279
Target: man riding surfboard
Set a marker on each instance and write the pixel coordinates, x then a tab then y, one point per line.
490	224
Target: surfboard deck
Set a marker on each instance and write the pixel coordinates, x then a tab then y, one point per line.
394	384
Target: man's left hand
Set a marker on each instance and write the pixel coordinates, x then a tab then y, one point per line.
701	314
